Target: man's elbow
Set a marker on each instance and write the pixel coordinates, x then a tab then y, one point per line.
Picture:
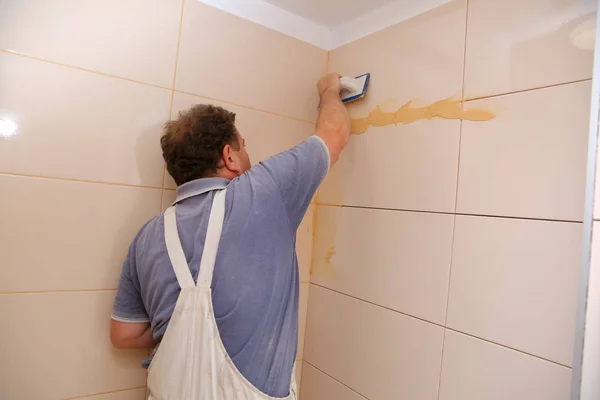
131	335
122	334
117	340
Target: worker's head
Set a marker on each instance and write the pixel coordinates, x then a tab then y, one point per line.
204	142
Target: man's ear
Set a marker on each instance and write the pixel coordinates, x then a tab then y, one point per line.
230	159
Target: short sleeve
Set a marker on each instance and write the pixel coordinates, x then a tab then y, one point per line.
298	172
128	306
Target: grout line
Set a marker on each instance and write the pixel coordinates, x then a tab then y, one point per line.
338	381
177	50
508	347
441	326
447	300
462	105
101	393
57	291
57	178
248	107
379	305
16	53
450	213
164	171
526	90
441	366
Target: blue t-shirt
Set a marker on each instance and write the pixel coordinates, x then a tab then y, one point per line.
255	283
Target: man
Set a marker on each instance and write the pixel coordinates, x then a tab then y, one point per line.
252	280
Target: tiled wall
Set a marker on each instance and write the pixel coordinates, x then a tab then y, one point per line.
446	253
90	86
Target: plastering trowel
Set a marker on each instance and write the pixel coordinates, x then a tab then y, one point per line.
354	88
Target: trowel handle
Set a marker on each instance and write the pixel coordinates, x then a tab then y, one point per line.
350	84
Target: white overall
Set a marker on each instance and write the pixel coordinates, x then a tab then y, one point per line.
191	362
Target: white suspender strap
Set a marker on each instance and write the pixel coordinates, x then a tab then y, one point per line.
175	251
213	236
211	244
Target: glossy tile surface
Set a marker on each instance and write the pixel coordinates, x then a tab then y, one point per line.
79	125
474	370
515	282
530	160
367	347
69	354
265	134
249	64
544	43
133	394
77	234
318	386
428	67
408	167
134	39
400	260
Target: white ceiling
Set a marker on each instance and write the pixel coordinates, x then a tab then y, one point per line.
326	23
329	13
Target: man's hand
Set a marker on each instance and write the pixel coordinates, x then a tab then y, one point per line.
330	82
333	125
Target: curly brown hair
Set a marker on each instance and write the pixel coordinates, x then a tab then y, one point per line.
192	144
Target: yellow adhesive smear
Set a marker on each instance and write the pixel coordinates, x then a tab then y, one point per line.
447	108
329	255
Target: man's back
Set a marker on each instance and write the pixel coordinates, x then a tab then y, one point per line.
255	284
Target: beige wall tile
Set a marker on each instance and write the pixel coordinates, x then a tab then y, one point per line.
249	64
61	342
304	244
376	352
515	282
400	260
134	39
515	45
303	308
530	160
133	394
318	386
420	58
410	167
474	370
68	235
420	158
75	124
